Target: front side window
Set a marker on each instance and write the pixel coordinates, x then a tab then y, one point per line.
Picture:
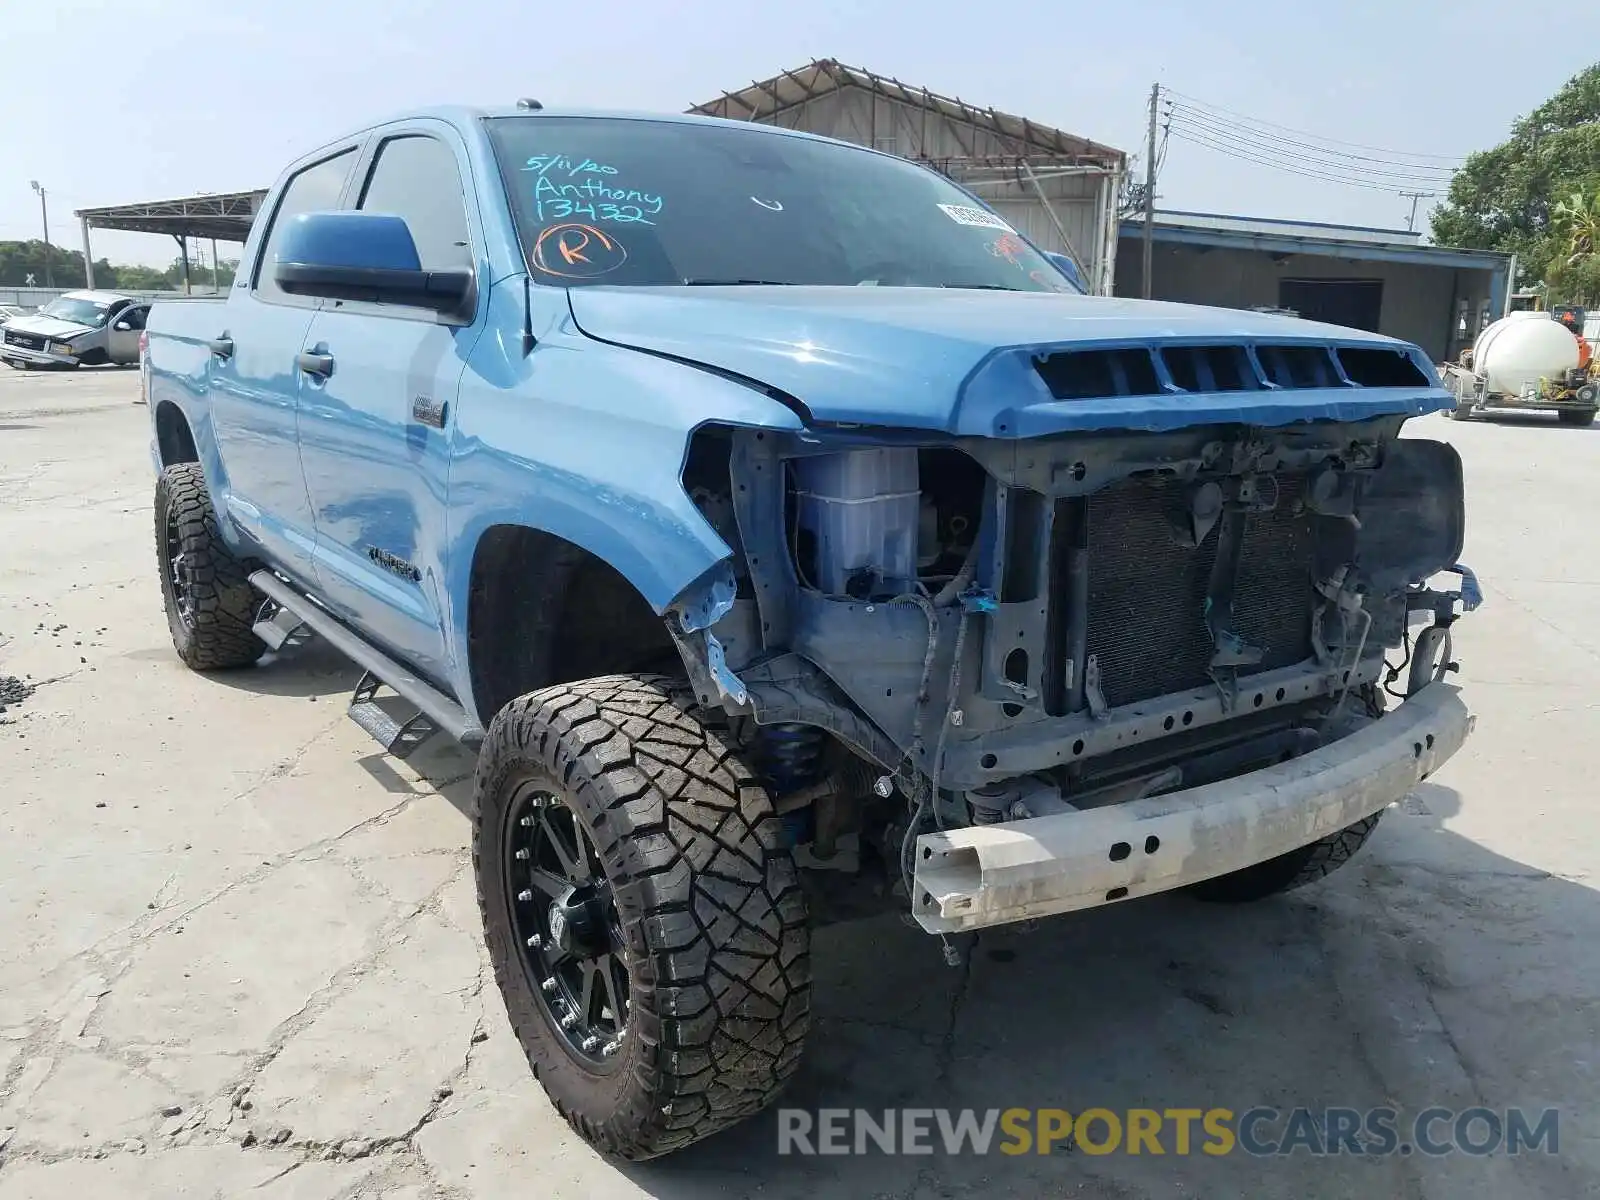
601	200
416	178
314	189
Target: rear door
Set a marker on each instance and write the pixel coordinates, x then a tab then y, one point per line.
255	383
374	432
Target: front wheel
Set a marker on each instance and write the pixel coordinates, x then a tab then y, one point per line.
1288	871
646	927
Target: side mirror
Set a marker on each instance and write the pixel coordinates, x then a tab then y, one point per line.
1068	268
122	325
363	256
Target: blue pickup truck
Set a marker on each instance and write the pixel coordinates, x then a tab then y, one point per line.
794	542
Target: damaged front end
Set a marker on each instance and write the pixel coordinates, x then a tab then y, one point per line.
1000	678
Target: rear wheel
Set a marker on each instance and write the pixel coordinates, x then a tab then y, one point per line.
647	930
210	603
1571	416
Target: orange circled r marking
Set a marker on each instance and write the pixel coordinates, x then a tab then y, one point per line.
581	250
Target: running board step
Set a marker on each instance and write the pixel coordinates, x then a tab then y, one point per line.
280	628
399	738
444	714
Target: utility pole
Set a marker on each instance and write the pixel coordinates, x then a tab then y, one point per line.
44	212
1150	188
1411	221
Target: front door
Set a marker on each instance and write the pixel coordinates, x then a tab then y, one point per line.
122	343
374	428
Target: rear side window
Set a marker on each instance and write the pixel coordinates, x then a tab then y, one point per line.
315	189
416	178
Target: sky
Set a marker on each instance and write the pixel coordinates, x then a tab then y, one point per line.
112	102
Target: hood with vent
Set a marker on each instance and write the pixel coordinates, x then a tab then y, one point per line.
1017	364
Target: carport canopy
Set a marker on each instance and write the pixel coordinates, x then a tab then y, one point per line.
223	216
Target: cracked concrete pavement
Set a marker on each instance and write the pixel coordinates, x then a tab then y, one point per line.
239	950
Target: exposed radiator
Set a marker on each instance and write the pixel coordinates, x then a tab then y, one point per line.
1147	593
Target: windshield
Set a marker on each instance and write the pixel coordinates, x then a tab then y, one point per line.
620	201
84	312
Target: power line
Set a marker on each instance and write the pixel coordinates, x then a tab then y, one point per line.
1309	155
1246	118
1279	164
1341	171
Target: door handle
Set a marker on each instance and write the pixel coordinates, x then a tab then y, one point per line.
320	365
425	410
221	345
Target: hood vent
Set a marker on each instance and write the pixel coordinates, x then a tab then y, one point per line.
1085	374
1210	368
1174	370
1376	368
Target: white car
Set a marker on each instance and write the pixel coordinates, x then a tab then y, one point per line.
76	329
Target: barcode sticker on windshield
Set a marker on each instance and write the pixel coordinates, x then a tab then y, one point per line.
962	215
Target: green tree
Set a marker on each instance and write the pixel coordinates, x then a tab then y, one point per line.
18	260
1573	272
140	278
1506	198
200	273
1578	219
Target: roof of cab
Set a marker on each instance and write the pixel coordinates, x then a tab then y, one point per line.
462	115
95	295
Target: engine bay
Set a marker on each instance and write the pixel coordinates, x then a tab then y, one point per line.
974	631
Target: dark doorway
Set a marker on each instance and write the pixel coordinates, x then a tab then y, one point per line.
1355	303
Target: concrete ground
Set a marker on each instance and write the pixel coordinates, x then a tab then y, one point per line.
239	953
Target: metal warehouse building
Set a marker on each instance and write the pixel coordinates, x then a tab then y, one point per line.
1383	280
1058	189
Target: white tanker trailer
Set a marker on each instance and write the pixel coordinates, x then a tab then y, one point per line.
1528	360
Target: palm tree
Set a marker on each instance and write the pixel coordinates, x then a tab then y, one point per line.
1579	218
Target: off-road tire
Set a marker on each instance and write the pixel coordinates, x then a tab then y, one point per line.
211	611
1308	863
1571	416
1288	871
712	918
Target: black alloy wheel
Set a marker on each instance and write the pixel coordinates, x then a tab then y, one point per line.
564	913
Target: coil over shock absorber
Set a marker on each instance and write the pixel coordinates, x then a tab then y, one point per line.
790	756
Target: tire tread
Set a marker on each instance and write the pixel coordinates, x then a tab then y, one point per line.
225	604
713	913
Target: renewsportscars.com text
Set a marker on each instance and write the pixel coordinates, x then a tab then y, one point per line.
1257	1131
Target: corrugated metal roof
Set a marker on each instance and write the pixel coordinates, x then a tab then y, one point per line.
768	99
225	215
1276	226
1355	242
